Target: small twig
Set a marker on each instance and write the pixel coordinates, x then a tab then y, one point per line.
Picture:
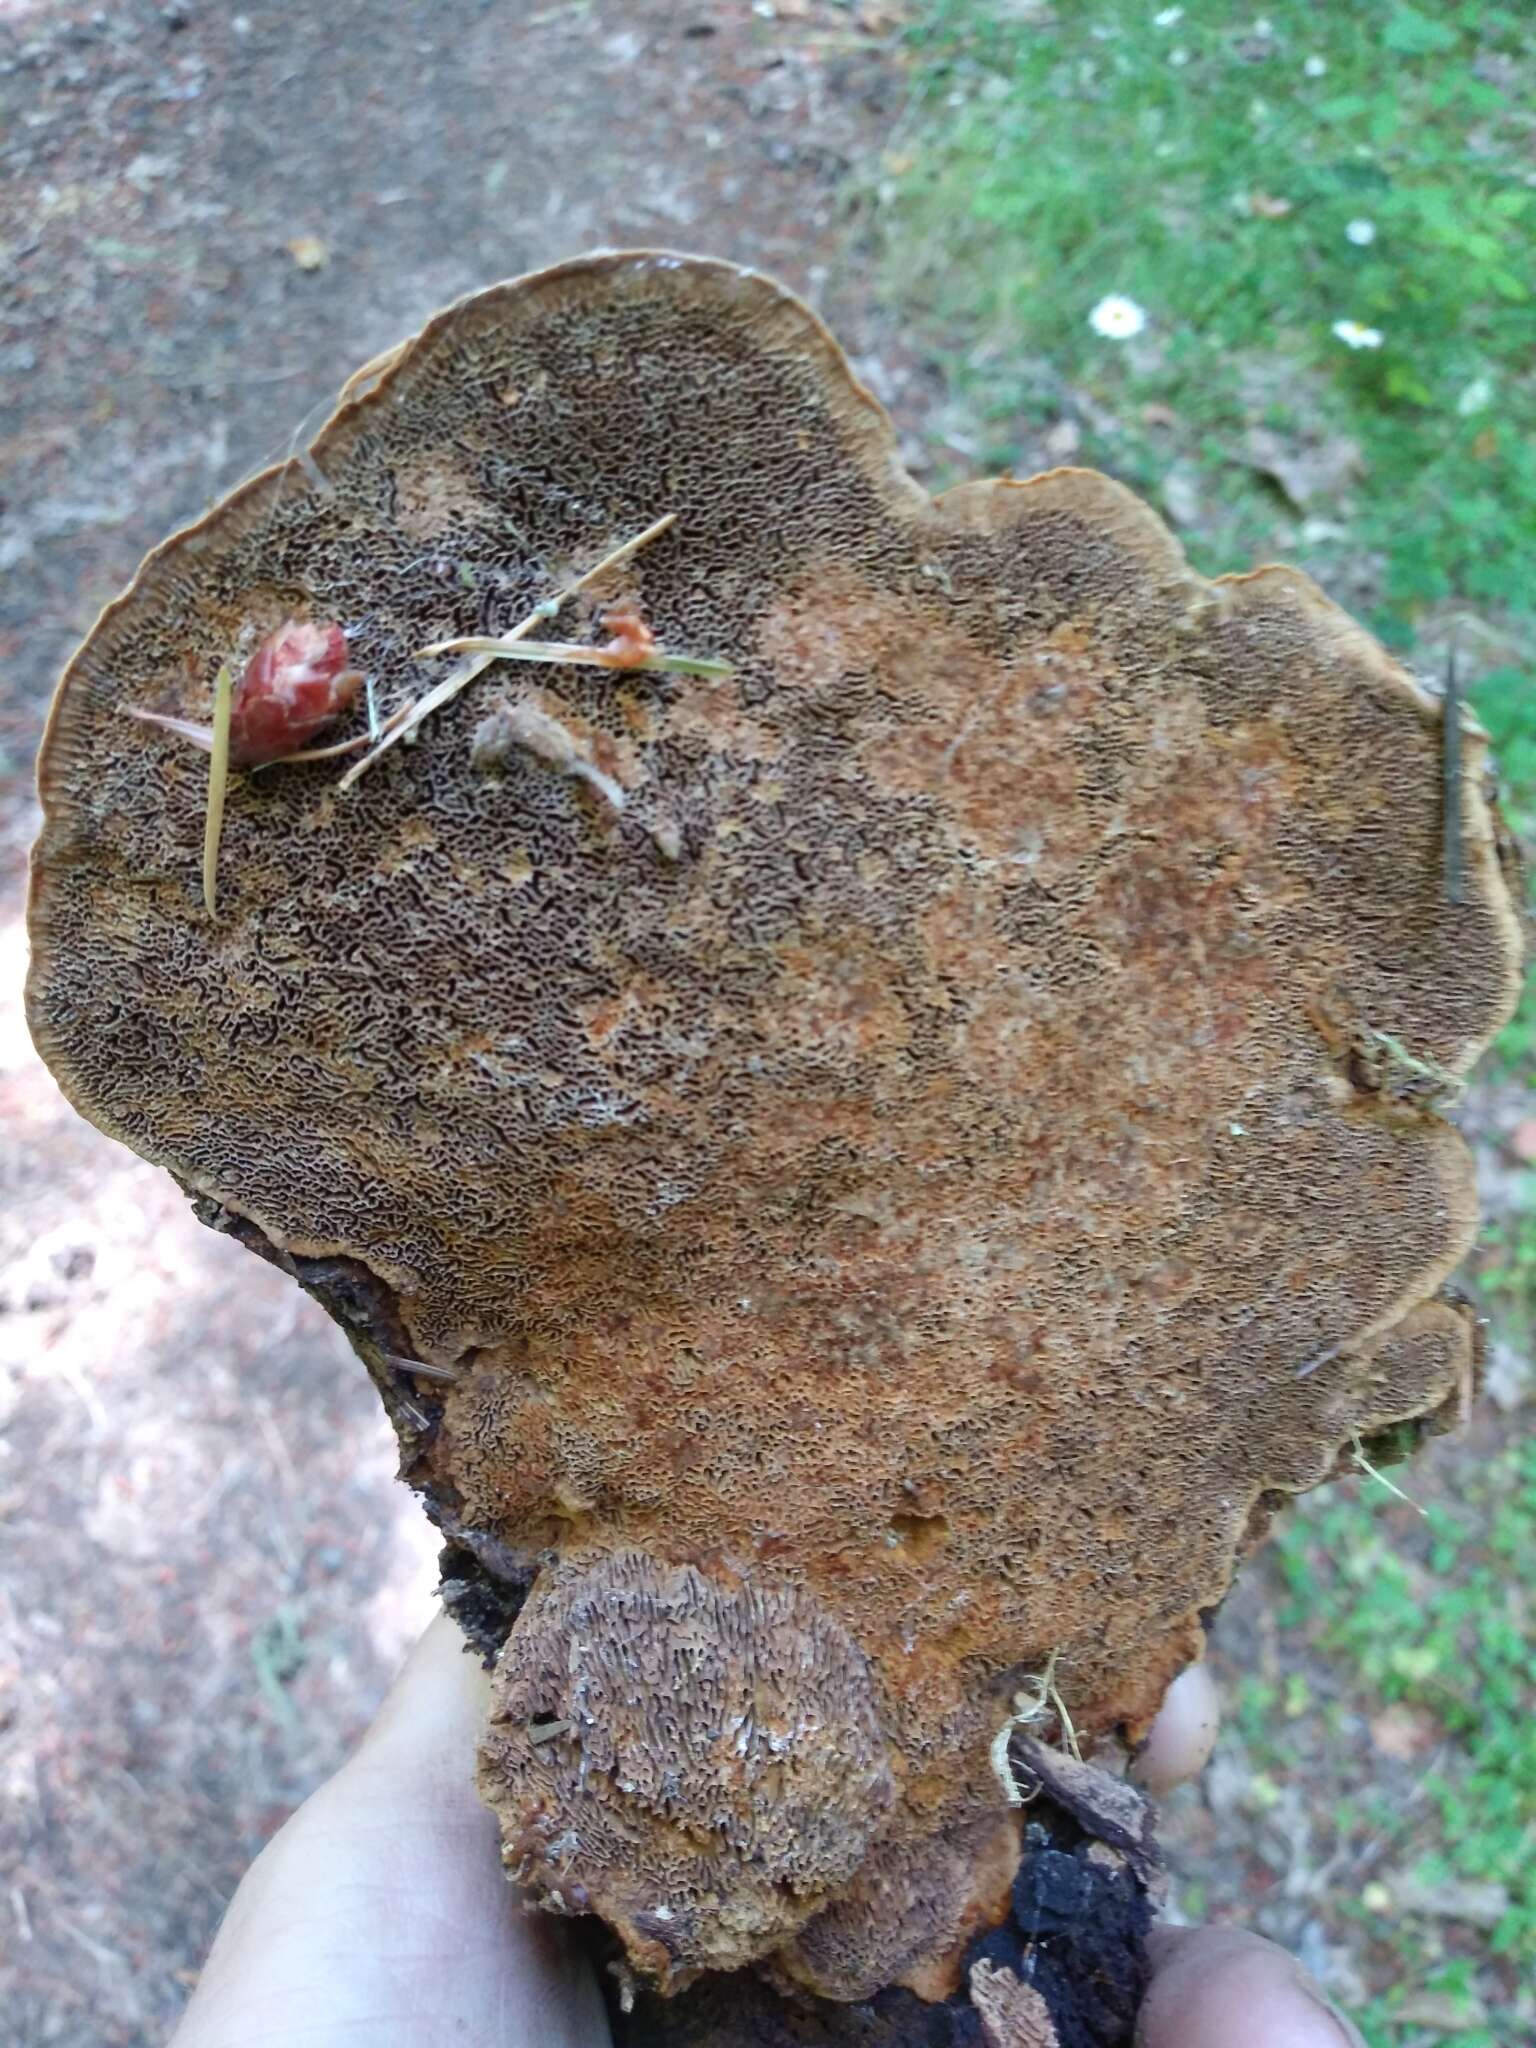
218	783
458	678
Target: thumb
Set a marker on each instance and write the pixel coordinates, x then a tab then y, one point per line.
1216	1985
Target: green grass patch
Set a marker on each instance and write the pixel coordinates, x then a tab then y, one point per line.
1249	187
1437	1617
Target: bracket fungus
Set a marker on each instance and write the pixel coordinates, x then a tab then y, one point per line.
864	1165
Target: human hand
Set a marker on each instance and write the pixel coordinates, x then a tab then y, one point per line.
1213	1986
379	1914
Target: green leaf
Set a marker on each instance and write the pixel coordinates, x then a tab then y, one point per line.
1413	34
1437	205
1403	382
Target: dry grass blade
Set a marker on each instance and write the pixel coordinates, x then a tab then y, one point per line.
218	783
451	684
582	657
1363	1464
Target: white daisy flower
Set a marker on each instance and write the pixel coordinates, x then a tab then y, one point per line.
1117	318
1167	16
1361	232
1315	67
1353	335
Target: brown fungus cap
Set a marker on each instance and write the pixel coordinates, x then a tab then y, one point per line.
905	1180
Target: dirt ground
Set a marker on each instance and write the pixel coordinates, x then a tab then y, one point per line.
210	215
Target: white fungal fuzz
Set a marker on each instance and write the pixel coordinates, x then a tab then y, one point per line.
1039	1695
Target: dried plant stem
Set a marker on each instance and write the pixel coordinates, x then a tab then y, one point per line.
456	680
421	708
218	783
340	747
1363	1464
582	657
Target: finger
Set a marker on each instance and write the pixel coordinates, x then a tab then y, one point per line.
428	1727
1216	1985
1183	1735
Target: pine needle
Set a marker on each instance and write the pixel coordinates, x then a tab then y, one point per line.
218	783
337	748
474	665
582	657
184	728
1365	1465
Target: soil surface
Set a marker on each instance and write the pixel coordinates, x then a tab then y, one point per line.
210	217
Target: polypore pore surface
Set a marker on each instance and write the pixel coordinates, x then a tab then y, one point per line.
896	1191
